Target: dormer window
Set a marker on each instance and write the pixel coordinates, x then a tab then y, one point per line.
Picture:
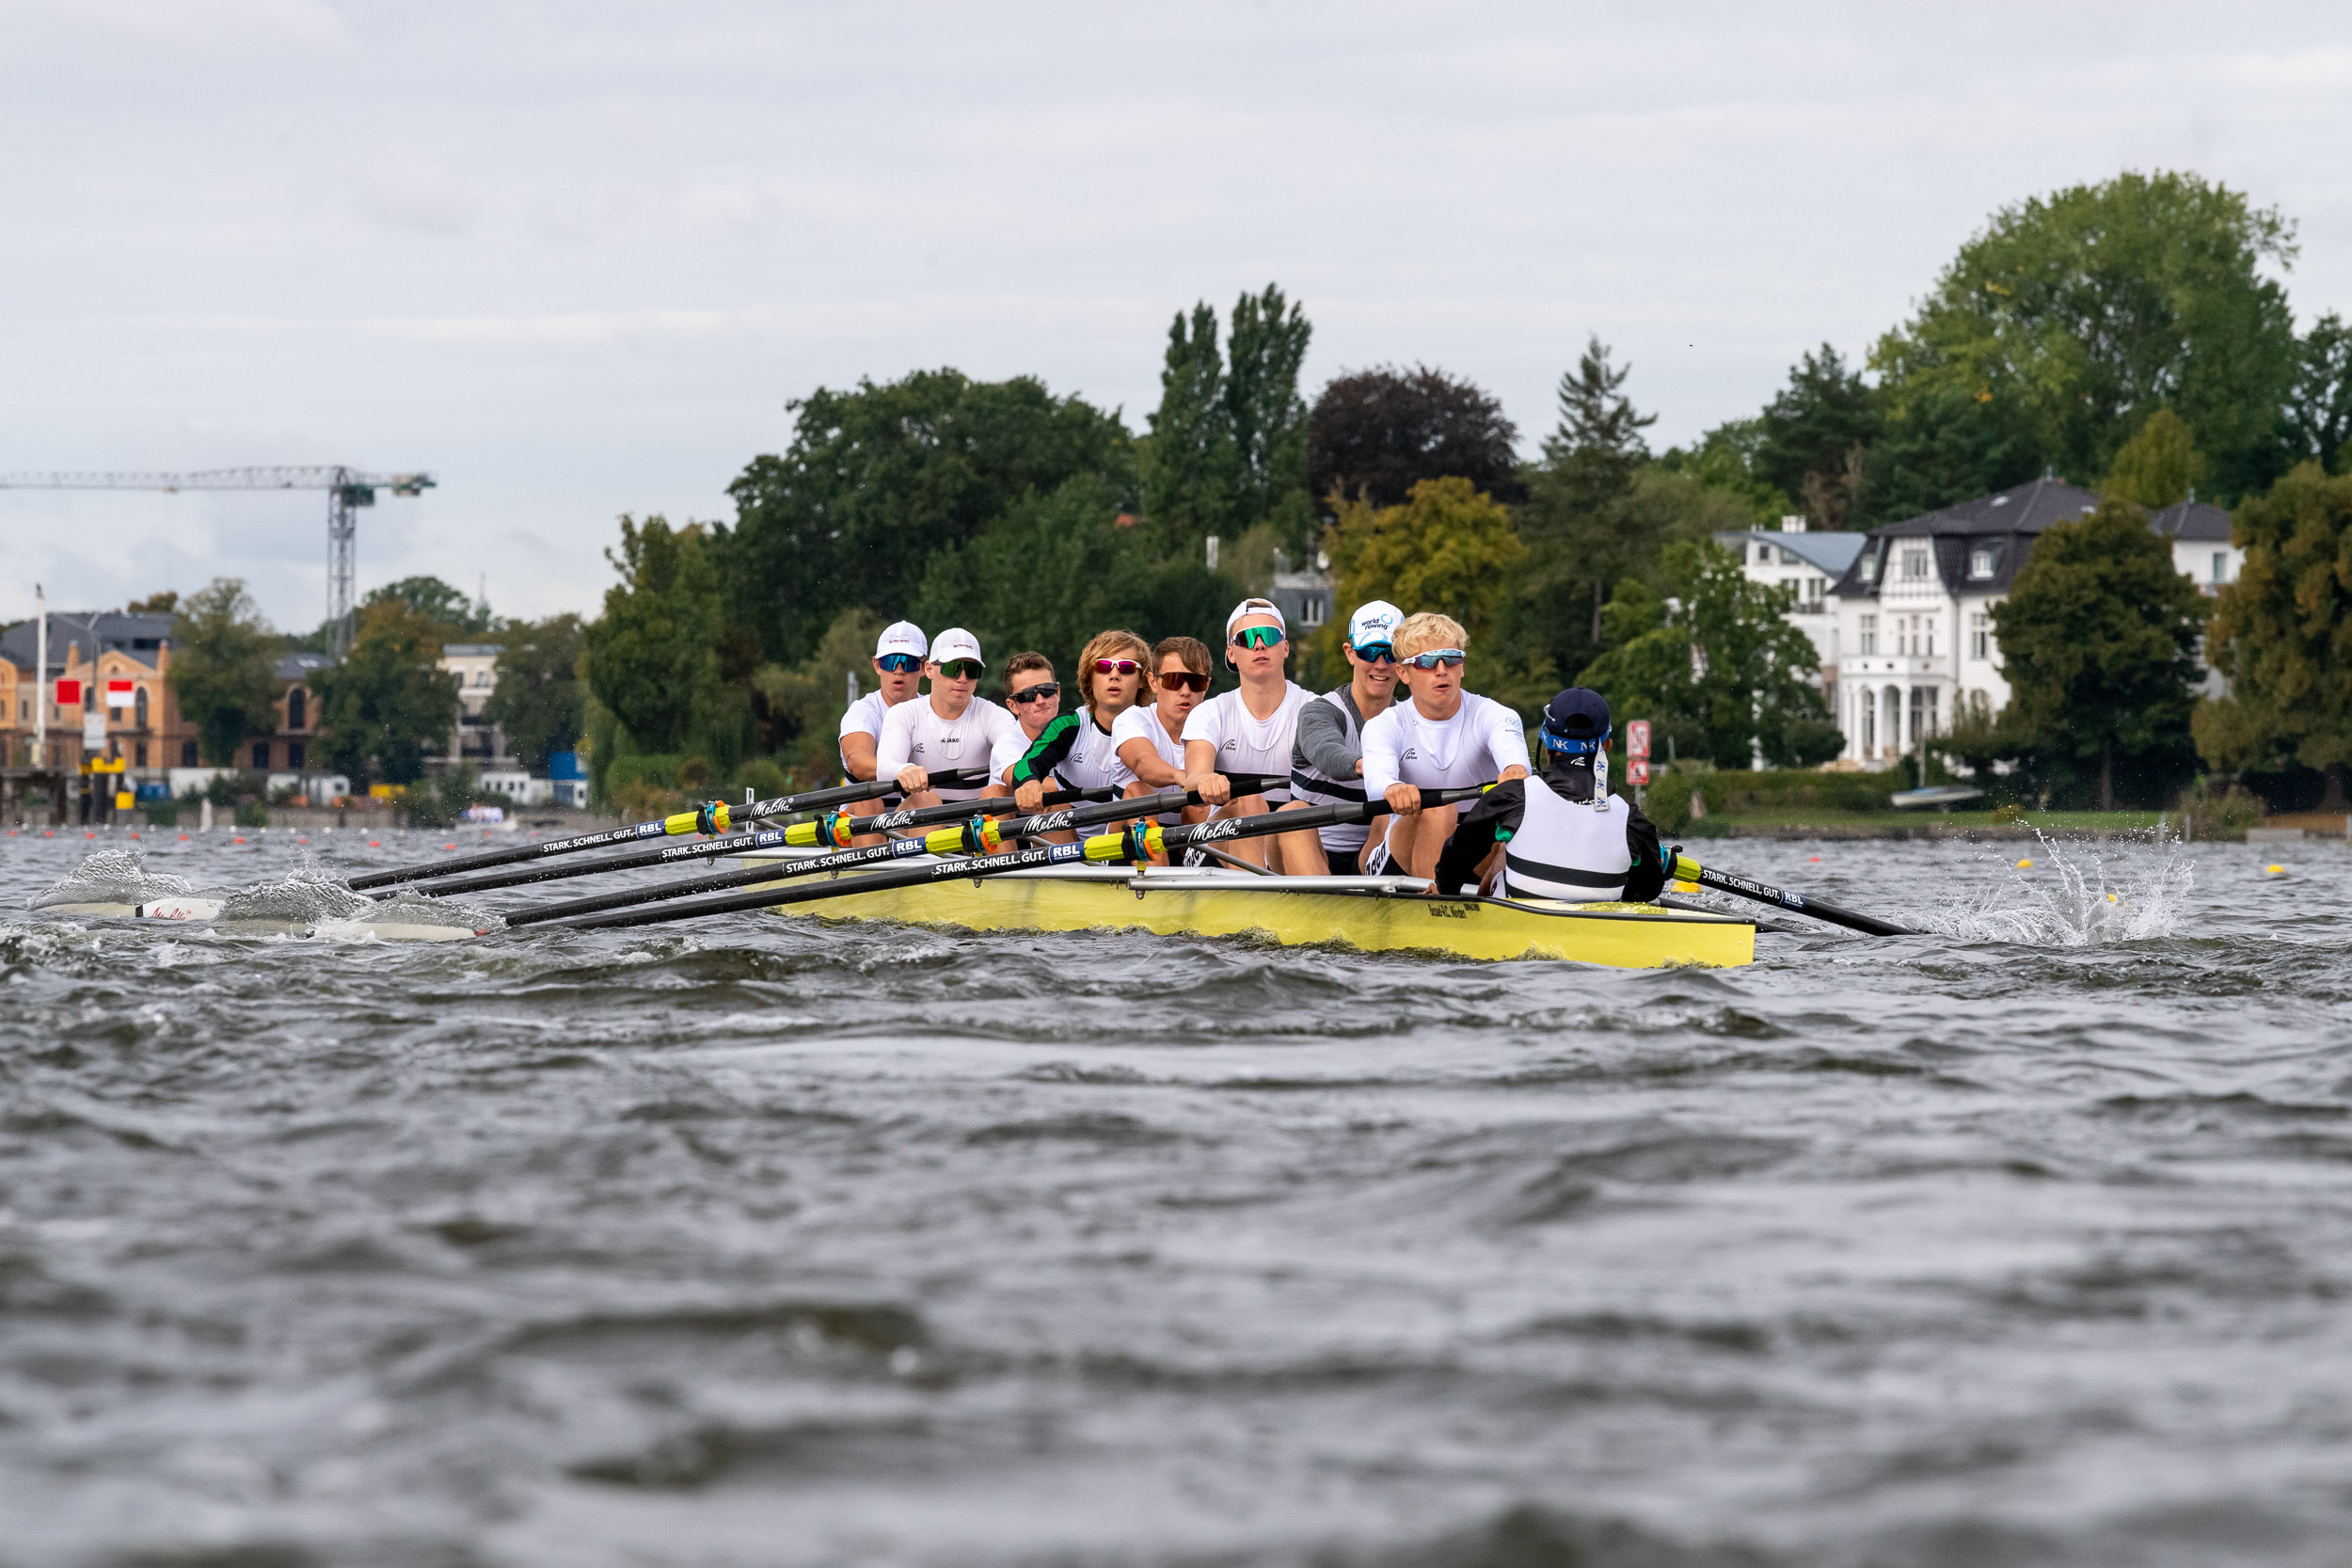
1915	562
1983	560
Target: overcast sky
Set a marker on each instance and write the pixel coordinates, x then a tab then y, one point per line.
575	258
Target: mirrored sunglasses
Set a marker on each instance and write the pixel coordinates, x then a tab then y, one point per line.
898	664
1450	658
1257	636
1376	653
962	668
1116	666
1183	681
1039	692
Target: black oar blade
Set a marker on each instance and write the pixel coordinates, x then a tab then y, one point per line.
1689	870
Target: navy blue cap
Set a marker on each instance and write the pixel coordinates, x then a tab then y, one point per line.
1576	721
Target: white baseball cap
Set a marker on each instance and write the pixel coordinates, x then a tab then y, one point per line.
1375	622
902	637
1247	607
956	643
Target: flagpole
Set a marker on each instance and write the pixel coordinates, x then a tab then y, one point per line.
40	677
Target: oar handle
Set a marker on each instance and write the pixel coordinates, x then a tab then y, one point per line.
1687	870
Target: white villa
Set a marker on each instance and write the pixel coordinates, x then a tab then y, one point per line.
1811	563
1906	635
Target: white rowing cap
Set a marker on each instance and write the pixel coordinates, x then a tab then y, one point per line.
956	643
1374	623
901	637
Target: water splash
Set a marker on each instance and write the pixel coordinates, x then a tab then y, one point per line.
110	877
2082	898
306	896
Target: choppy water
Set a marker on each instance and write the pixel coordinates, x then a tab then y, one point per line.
768	1242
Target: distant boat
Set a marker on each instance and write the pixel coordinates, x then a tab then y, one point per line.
1946	796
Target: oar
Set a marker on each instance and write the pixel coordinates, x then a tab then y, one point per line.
976	833
835	827
713	818
1134	842
1687	870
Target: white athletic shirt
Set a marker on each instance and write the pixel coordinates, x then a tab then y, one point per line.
1142	722
1473	746
984	736
1245	744
864	717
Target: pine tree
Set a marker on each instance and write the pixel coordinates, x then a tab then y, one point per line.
1192	469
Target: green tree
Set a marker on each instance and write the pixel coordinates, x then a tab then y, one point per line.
539	697
221	659
1374	435
1228	448
2098	639
1578	541
2158	467
2317	421
878	477
1719	656
1449	549
2283	634
2078	315
1729	458
440	604
1811	437
808	701
382	708
654	656
1056	569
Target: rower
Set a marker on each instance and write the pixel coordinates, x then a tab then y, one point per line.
899	656
1327	756
1564	834
1077	748
1250	729
1146	739
1443	737
950	729
1032	696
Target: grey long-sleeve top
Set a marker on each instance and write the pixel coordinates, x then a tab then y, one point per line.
1321	740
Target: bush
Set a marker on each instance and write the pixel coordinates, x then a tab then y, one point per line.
2211	812
1730	791
251	813
642	771
440	803
162	813
762	777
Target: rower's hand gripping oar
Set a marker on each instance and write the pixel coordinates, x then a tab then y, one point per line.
830	828
1117	848
1685	869
715	818
978	833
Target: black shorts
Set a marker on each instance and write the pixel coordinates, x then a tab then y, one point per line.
1344	862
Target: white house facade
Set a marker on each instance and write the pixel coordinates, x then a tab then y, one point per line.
1809	563
1913	648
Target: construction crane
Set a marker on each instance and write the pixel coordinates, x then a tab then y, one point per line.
347	490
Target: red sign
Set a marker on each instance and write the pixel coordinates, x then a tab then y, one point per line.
122	694
1637	770
1637	743
69	693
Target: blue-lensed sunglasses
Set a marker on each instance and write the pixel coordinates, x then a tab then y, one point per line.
898	664
1376	653
1450	658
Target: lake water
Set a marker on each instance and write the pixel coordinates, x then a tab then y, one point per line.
761	1241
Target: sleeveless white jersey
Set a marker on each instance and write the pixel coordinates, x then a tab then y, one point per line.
1567	851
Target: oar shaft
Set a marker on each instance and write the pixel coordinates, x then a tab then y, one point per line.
1689	870
735	844
1108	847
945	841
715	818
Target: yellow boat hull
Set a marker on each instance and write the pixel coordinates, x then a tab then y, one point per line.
1191	903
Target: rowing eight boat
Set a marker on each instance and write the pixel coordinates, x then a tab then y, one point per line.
1379	914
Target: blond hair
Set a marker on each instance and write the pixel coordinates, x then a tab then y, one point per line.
1423	632
1109	645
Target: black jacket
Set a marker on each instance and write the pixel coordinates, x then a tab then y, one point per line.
1501	810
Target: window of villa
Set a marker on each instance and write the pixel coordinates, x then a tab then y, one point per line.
1869	630
1983	560
1980	635
2220	566
1915	562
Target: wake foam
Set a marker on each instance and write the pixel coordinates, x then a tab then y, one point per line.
111	877
2076	897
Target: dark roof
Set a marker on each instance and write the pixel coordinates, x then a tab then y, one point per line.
297	667
2008	520
1832	552
2196	520
93	631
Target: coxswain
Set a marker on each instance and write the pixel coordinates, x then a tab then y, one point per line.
950	730
1250	729
1564	834
1327	753
1077	748
1440	737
